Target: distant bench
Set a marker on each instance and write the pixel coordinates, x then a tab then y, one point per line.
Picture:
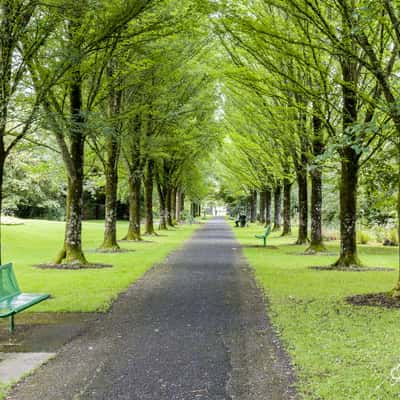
265	235
12	300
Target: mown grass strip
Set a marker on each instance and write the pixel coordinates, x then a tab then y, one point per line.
340	351
90	290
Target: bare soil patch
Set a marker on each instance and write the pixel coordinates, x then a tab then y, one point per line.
73	266
260	246
139	241
110	251
351	269
320	253
384	300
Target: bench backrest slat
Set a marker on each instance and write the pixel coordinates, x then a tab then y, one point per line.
8	282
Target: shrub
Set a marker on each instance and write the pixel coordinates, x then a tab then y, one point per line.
393	236
379	233
363	237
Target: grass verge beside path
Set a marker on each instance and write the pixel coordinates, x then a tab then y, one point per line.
341	352
88	290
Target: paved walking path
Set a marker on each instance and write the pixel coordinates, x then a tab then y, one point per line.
192	328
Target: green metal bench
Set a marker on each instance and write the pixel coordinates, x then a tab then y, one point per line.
264	235
12	300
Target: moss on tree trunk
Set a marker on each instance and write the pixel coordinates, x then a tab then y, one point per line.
398	207
163	214
148	198
111	173
302	236
169	207
72	252
348	209
268	207
178	205
253	205
2	162
182	203
316	244
263	198
287	226
134	232
349	160
163	219
174	205
277	208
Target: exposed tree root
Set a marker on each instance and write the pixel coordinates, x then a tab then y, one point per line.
71	255
347	261
315	249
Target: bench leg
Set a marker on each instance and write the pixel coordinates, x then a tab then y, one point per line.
265	242
11	325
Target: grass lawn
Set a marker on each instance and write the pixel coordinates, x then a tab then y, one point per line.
341	352
88	290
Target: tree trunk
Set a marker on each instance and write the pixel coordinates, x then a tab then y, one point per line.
302	237
268	207
349	172
148	198
169	207
253	206
72	251
173	206
2	163
277	208
182	203
396	291
163	209
316	244
134	232
263	199
348	209
111	173
178	206
287	226
193	209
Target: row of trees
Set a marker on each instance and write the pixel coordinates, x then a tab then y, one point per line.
311	92
112	89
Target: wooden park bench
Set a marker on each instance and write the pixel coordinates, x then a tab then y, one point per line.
12	300
265	235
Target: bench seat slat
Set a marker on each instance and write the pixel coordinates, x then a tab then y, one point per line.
19	302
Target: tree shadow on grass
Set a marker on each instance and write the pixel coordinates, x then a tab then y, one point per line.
321	253
136	241
260	246
384	300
